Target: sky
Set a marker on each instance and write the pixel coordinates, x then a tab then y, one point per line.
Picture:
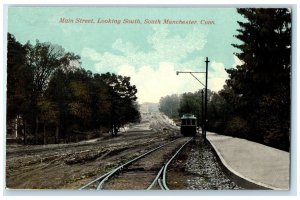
149	53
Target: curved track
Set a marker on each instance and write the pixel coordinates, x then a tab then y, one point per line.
161	178
139	172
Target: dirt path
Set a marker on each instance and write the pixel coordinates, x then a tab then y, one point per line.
69	166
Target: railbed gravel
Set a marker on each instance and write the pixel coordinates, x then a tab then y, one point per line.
208	174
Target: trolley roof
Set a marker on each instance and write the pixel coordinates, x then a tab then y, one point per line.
188	116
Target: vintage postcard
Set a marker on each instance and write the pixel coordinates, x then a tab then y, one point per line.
148	98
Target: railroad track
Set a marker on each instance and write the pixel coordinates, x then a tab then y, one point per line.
160	178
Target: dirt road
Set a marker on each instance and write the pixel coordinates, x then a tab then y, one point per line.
69	166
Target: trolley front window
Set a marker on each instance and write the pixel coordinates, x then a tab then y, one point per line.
193	122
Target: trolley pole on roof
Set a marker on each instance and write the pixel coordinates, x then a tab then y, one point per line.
204	124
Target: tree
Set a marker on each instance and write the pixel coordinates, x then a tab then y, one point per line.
58	92
190	103
43	59
48	92
122	97
89	101
169	105
265	52
19	83
71	92
49	114
218	111
263	80
79	106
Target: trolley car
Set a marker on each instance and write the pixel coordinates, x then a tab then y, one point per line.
188	125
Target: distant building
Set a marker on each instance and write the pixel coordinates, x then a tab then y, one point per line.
144	108
148	107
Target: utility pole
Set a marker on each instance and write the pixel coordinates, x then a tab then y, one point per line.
202	112
205	117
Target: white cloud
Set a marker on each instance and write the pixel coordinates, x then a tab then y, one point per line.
155	83
216	76
164	48
154	72
237	61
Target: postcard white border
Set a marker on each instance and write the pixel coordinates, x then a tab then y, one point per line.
128	194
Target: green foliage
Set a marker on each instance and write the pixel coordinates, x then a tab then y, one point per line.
43	59
237	127
90	102
193	103
169	105
18	89
190	103
175	105
262	82
49	112
79	106
121	97
53	96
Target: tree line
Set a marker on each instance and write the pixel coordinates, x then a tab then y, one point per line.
54	99
255	102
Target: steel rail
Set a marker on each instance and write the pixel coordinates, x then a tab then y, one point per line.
97	179
129	162
156	179
106	176
166	166
161	177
